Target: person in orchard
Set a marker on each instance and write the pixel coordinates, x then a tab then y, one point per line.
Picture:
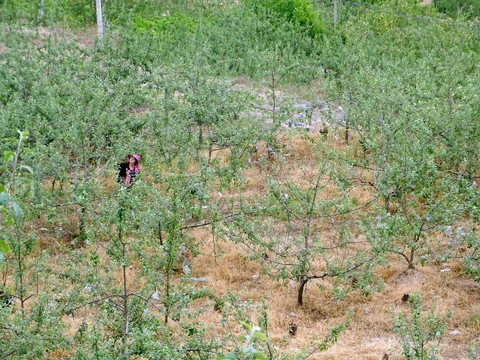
129	169
133	168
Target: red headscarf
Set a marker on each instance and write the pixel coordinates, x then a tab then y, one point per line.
136	158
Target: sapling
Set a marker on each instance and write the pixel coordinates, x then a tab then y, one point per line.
302	252
420	333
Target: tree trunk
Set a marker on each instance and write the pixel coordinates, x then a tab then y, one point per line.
335	14
160	233
81	223
274	99
350	95
387	204
126	321
301	288
410	261
40	10
99	19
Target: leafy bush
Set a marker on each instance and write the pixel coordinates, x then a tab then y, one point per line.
471	8
421	333
164	24
75	12
12	9
300	12
473	352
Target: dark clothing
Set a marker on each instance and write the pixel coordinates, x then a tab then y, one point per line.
127	171
122	172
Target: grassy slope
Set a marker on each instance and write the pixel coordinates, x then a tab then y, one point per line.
370	334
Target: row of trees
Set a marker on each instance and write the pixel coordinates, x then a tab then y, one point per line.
403	181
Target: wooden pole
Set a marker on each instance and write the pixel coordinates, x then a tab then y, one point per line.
99	19
335	12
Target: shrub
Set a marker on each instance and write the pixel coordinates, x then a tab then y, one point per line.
300	12
166	23
421	333
471	8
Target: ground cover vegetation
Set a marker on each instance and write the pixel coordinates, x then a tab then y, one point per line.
297	177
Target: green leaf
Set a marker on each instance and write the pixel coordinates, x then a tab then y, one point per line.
17	209
247	326
27	168
7	154
3	196
3	247
261	335
259	356
226	356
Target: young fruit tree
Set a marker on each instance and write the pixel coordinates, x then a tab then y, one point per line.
304	230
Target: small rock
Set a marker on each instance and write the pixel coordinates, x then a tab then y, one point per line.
301	106
445	270
6	299
254	277
271	152
43	229
185	267
454	332
292	328
448	231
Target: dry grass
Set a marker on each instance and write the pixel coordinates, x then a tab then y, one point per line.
369	335
225	267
